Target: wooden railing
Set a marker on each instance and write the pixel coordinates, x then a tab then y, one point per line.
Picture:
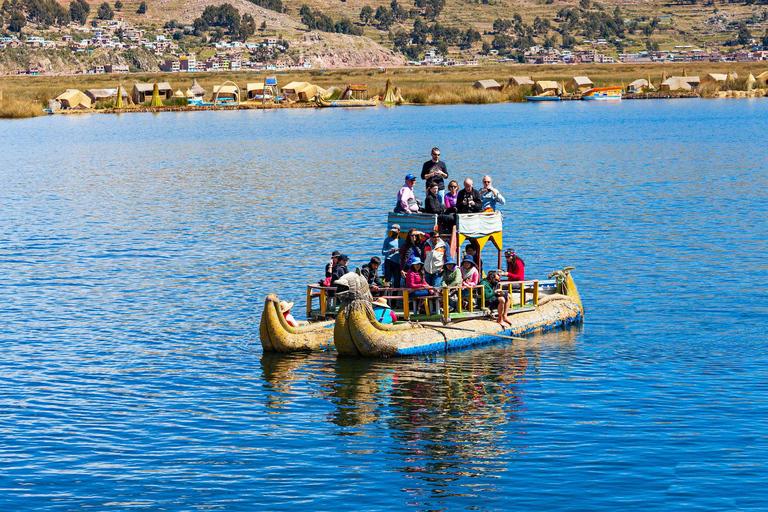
438	295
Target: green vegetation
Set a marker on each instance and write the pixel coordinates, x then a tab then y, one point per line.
316	20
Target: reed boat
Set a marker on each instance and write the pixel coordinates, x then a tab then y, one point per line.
277	336
602	94
355	95
358	333
346	103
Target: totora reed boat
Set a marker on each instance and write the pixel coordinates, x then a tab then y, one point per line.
428	324
357	333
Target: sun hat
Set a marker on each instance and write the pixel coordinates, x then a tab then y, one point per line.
409	177
285	306
469	258
381	301
343	257
395	227
415	261
449	260
335	254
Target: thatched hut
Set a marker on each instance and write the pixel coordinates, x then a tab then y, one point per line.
520	81
73	99
143	92
198	93
229	92
543	86
488	85
254	89
639	85
680	83
714	78
580	83
97	95
291	90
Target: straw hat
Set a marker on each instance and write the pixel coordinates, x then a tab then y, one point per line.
381	301
285	306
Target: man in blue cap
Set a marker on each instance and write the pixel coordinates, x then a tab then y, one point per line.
406	201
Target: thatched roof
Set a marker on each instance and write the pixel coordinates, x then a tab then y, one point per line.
225	89
487	84
581	81
196	89
546	85
295	87
74	98
162	86
520	80
258	86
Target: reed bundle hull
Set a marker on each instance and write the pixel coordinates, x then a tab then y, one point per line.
357	333
346	103
277	336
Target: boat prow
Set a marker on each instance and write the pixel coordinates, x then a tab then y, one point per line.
277	336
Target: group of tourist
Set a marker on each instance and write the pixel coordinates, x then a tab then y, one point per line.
422	263
446	204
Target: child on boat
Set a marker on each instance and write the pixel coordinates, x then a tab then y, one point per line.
285	308
383	312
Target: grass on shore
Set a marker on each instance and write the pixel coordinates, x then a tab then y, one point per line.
419	85
19	109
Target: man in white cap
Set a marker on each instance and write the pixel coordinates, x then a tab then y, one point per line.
390	252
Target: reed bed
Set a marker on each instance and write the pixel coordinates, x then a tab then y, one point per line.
19	109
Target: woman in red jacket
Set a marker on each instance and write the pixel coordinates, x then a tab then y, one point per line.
515	266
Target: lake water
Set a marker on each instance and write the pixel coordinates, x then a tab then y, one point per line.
137	250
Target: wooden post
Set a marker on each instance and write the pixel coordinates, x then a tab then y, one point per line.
461	298
471	299
499	259
482	299
536	293
446	305
406	306
522	294
426	305
323	302
309	301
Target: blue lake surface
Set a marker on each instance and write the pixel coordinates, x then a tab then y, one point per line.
136	252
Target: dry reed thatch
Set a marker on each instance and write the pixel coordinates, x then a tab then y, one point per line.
19	109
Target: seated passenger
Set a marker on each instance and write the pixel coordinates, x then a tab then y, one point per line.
383	312
340	269
406	201
451	273
469	274
515	266
495	298
370	272
445	221
414	280
285	308
490	196
468	200
452	195
329	269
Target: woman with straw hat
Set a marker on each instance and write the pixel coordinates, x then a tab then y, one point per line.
285	308
383	312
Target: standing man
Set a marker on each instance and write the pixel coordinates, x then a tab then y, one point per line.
434	171
390	251
468	200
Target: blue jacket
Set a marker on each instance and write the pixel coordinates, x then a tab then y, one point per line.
389	244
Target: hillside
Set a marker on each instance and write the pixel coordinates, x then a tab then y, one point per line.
370	33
